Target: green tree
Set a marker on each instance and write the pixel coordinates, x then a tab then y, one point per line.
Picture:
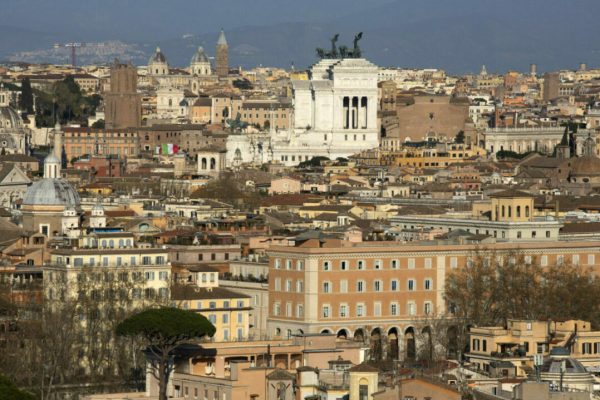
313	162
164	329
26	100
98	124
9	391
460	137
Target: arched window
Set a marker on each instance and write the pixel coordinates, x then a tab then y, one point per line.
518	211
203	163
509	211
213	163
503	212
527	211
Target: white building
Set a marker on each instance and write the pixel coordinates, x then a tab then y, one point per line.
334	115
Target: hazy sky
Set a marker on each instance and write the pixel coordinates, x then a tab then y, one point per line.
458	35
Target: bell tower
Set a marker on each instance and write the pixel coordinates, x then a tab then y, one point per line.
222	56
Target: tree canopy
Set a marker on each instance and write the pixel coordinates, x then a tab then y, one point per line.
164	329
460	137
313	162
494	287
166	324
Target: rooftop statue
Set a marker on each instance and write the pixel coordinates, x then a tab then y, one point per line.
343	51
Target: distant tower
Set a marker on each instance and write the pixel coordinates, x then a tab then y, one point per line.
533	69
58	146
98	218
222	56
583	67
123	104
483	71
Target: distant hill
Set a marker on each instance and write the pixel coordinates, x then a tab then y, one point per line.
457	35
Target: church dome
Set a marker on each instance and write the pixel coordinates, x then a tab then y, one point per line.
51	158
157	57
51	192
585	166
199	57
9	118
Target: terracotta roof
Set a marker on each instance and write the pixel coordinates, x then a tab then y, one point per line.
364	367
511	193
188	292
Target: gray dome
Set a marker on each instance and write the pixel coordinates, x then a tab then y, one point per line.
199	57
553	366
51	158
158	57
52	192
9	118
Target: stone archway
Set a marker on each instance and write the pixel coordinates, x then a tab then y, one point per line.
359	335
410	344
342	334
452	335
376	345
393	344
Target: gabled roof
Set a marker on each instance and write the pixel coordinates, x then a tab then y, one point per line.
280	375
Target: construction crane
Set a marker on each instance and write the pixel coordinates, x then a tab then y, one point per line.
73	46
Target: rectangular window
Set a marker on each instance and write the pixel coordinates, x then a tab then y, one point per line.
411	284
427	308
591	259
343	310
428	284
411	308
326	311
453	262
277	284
277	263
377	309
360	310
288	264
377	286
544	261
428	263
326	265
394	309
575	259
360	265
378	264
360	286
344	265
240	318
326	287
394	285
343	286
411	263
395	264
